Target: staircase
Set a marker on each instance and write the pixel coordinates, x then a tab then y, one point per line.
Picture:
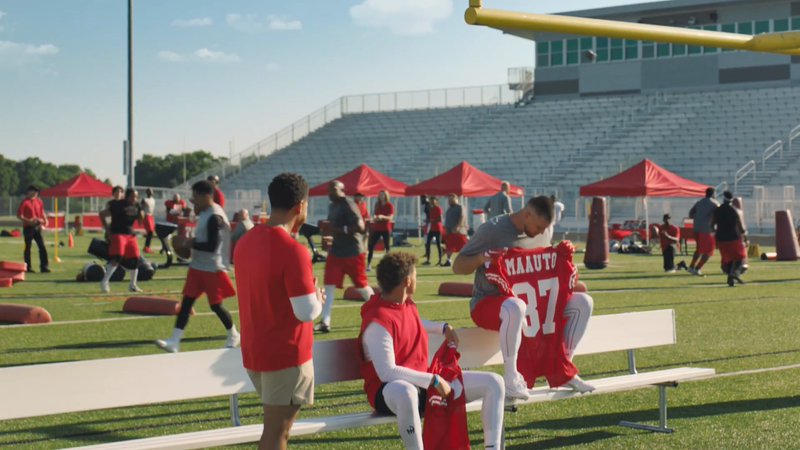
779	165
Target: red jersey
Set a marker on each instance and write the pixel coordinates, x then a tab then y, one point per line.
219	198
409	338
272	337
671	230
445	425
30	208
544	278
171	204
363	209
386	209
436	219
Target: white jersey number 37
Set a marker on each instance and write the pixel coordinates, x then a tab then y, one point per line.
527	293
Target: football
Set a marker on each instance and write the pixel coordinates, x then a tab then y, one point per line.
181	246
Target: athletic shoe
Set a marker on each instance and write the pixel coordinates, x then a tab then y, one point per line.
670	271
44	270
517	388
134	288
322	327
105	287
369	268
234	340
426	263
447	264
147	250
578	385
169	345
699	273
30	270
738	279
692	270
682	265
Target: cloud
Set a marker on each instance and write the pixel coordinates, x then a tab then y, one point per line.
249	23
13	53
201	55
198	22
2	14
405	17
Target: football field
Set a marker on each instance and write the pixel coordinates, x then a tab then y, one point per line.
749	334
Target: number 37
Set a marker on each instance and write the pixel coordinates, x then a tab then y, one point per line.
529	292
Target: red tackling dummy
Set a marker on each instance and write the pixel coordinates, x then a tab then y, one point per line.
446	418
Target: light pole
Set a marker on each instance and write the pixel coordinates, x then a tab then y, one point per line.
130	94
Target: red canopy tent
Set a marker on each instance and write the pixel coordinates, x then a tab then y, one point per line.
81	185
463	180
363	179
646	179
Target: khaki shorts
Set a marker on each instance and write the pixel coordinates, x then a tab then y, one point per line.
291	386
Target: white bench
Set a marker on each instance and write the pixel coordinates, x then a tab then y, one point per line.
58	388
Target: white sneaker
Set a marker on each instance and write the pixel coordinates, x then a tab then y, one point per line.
169	345
234	340
369	268
671	271
578	385
134	288
517	388
105	287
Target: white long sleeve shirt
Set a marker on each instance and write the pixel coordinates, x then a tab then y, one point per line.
379	348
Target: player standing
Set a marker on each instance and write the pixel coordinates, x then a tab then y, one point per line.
278	300
701	213
346	255
455	225
175	208
123	248
382	216
394	357
435	231
208	271
219	196
499	203
731	236
149	207
492	310
31	214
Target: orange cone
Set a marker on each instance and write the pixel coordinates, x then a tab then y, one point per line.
785	237
596	256
71	241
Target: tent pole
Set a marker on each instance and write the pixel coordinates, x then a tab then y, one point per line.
56	259
66	218
419	217
646	221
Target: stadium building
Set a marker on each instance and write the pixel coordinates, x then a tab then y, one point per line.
591	107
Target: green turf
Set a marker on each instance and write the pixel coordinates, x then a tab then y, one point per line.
750	327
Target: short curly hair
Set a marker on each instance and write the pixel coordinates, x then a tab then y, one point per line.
394	268
287	190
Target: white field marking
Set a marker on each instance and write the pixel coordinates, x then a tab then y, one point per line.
752	371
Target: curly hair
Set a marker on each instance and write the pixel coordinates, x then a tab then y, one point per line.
394	268
543	206
287	190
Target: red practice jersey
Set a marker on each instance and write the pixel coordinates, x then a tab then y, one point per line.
544	278
446	418
436	219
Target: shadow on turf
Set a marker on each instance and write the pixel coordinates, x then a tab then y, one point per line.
106	344
558	441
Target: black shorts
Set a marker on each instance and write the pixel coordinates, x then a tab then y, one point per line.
380	402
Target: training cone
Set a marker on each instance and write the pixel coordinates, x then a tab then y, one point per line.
785	237
596	256
70	240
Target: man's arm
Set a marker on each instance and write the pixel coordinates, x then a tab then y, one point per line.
507	206
488	206
214	226
472	255
104	214
742	228
693	211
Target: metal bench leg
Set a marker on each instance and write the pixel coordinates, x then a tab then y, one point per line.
235	410
662	413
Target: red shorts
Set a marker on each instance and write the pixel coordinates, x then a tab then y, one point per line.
454	242
355	267
487	312
216	285
705	243
732	251
124	245
149	223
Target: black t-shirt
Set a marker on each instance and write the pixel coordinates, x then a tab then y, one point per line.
727	218
122	216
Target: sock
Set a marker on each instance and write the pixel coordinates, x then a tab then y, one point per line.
232	331
109	271
177	334
134	277
366	292
330	292
512	316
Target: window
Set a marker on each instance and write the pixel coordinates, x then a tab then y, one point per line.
762	26
731	28
542	48
745	28
648	50
602	49
710	49
572	51
631	49
587	44
678	50
556	53
617	53
543	60
780	25
795	23
663	50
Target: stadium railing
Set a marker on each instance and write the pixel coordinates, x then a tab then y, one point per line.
29	391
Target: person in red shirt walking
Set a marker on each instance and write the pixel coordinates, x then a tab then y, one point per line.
393	349
278	300
31	213
219	197
175	208
670	235
381	225
434	232
363	208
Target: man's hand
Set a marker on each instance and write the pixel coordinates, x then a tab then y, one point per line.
450	335
320	292
443	387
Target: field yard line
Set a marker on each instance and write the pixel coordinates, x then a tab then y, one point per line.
751	371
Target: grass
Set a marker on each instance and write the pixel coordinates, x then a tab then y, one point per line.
732	330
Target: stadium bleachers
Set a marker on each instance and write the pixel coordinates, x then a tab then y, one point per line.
563	144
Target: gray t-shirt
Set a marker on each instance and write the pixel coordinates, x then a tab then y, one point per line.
701	212
340	214
455	220
498	204
499	232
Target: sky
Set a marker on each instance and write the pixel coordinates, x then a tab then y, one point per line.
213	72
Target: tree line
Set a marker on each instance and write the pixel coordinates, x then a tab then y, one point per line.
16	176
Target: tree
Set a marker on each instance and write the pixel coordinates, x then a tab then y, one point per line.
8	177
167	171
16	176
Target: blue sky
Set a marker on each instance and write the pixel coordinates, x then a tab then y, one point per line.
213	71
